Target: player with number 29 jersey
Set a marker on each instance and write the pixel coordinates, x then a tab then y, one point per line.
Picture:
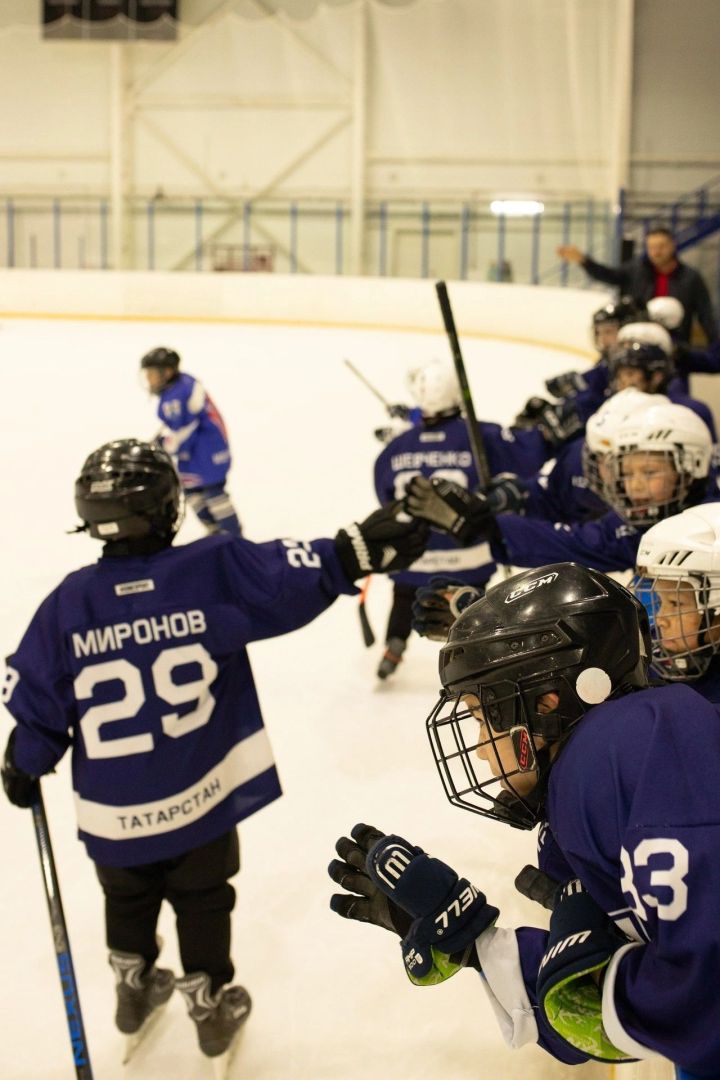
132	650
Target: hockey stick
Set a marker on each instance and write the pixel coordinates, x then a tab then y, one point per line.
78	1042
367	631
369	385
477	446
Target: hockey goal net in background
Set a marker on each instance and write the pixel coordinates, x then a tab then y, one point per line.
253	258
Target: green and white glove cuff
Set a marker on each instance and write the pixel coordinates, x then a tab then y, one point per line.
443	968
574	1009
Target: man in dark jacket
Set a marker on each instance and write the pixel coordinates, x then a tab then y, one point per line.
658	272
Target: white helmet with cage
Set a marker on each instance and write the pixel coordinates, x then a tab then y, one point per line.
435	387
666	310
678	581
648	333
602	425
644	489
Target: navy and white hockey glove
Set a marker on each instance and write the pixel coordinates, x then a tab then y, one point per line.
567	384
384	542
399	412
437	605
581	942
450	508
507	494
20	788
445	914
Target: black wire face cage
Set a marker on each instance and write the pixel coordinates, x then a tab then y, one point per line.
632	497
684	624
484	784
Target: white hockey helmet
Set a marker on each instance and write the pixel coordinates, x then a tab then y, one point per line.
678	581
601	427
666	310
648	333
435	387
681	438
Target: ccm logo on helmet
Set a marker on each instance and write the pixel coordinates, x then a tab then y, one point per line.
529	586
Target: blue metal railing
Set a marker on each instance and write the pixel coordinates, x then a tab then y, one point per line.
691	218
459	240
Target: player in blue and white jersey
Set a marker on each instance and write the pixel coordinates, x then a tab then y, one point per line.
138	664
545	717
678	581
436	447
194	434
660	464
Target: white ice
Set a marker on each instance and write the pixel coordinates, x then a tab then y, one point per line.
330	998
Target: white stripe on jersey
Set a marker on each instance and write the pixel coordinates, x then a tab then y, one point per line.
247	760
196	401
445	560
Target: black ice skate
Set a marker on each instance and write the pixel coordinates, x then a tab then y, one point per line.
392	656
141	997
218	1017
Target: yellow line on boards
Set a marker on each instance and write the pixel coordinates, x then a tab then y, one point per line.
307	324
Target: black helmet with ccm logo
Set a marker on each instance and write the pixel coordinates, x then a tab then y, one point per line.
561	629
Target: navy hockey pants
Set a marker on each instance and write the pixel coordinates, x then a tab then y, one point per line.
197	885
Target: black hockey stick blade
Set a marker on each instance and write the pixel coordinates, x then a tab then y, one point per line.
537	886
367	630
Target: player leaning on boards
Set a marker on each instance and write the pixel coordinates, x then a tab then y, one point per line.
678	581
545	717
138	663
659	465
193	432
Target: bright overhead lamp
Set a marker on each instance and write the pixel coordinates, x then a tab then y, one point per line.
516	207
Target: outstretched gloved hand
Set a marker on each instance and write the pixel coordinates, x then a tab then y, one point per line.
439	915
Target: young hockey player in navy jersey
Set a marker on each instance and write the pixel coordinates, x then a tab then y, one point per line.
678	581
436	447
194	434
545	717
138	664
659	465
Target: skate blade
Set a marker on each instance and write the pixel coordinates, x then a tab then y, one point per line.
222	1064
133	1042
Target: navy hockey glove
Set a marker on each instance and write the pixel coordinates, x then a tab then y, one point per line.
581	941
556	423
363	900
384	542
19	786
507	494
437	605
450	508
448	913
565	385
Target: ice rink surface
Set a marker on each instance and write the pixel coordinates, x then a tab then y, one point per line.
331	999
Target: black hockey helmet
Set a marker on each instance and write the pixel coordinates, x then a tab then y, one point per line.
560	629
128	490
643	356
619	311
161	358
